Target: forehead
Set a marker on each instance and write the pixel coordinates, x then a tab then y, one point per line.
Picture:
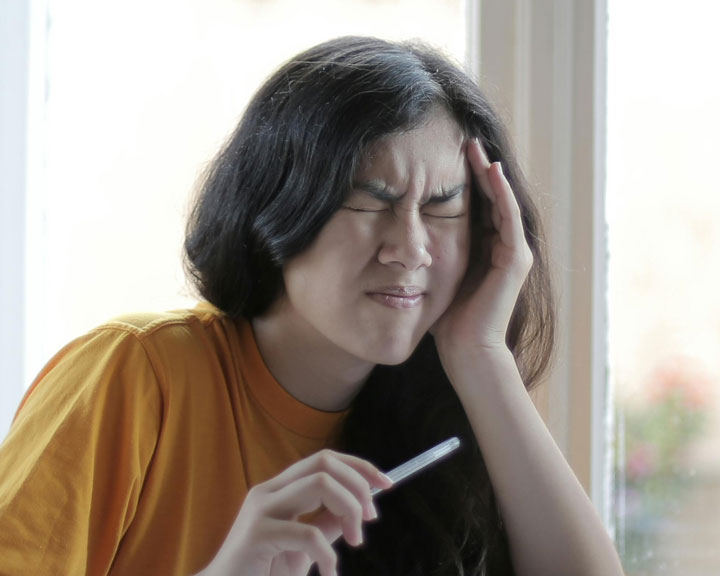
434	148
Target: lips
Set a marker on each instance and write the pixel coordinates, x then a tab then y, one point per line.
398	296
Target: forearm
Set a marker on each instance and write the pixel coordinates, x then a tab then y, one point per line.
552	526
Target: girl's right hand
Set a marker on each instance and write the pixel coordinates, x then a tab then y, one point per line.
268	538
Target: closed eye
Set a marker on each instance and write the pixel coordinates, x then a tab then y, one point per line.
372	197
451	206
362	209
369	197
443	216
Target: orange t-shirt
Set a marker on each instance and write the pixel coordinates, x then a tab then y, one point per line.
136	445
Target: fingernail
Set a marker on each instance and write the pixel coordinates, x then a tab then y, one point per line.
386	479
500	167
372	511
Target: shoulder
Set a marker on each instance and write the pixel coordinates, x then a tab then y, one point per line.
180	345
173	334
144	325
138	343
191	354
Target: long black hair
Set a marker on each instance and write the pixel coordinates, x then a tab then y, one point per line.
279	178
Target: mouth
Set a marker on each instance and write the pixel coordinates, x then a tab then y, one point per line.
399	297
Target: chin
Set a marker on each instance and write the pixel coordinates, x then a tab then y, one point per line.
392	353
392	361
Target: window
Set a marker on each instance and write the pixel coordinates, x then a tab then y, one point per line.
663	212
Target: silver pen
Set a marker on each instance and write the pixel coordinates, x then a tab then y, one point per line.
419	462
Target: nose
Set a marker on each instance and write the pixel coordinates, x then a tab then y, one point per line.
405	242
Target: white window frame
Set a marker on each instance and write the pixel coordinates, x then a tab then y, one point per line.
543	62
23	32
14	46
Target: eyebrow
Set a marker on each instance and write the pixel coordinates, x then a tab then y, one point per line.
378	190
385	193
446	195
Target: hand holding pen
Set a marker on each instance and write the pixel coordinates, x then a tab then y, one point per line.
268	536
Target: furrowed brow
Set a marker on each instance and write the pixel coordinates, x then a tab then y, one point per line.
447	194
377	190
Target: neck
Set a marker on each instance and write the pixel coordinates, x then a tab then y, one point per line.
305	363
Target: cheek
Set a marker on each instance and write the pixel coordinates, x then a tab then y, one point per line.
352	242
335	255
451	252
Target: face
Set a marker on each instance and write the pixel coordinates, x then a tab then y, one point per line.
388	264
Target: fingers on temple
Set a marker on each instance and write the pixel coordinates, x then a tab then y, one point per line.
480	164
510	228
505	212
495	217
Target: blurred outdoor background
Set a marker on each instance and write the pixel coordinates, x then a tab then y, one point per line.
663	217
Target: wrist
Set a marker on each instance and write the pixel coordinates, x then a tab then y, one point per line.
476	362
464	352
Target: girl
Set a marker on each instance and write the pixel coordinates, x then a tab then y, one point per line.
376	280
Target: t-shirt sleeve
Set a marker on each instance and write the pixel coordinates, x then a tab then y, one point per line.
74	462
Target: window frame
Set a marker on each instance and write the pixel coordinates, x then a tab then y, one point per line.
14	72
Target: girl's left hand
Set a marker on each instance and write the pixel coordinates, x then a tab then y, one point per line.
478	318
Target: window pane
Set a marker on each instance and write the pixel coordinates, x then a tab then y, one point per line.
663	209
139	97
